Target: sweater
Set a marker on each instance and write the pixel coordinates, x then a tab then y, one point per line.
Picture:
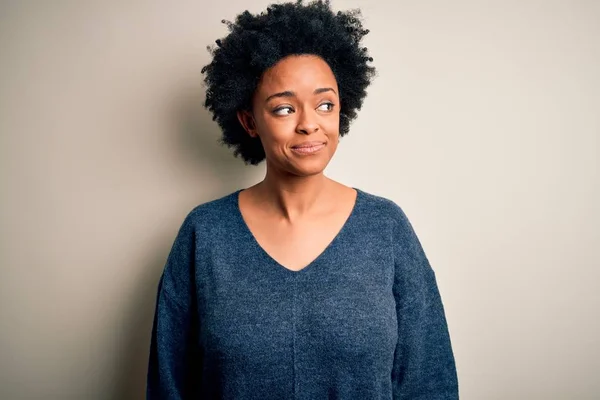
364	320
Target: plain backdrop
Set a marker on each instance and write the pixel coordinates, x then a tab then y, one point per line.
483	125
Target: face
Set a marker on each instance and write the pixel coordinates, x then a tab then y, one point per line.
296	115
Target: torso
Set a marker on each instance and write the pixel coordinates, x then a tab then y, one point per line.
295	246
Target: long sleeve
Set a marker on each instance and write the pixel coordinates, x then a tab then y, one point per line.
424	366
174	356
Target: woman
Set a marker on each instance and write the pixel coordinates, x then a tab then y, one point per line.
298	287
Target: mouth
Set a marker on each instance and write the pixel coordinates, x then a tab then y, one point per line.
309	148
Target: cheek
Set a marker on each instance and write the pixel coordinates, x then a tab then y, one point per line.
275	132
270	130
332	124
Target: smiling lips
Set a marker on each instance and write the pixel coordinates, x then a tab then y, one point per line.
311	143
308	147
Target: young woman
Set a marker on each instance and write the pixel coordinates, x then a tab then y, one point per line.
298	287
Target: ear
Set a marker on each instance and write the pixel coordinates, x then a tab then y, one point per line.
247	121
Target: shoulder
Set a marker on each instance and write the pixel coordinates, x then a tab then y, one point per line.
211	214
388	214
382	207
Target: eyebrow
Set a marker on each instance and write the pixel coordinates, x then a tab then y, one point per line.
288	93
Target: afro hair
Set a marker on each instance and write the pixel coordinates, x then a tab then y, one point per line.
257	42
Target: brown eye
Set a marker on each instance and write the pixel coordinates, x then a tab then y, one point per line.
283	111
326	107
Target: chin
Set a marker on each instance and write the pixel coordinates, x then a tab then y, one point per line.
309	167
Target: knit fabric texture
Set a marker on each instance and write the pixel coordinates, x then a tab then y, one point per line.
364	320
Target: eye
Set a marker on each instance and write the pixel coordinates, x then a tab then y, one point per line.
326	107
285	110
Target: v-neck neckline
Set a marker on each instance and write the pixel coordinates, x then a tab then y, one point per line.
257	246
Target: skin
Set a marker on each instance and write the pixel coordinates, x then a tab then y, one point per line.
296	211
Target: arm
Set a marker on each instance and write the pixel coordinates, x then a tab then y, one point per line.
174	355
424	366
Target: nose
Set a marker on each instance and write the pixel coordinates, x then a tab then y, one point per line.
307	123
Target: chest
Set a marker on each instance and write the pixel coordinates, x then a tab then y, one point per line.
296	247
338	310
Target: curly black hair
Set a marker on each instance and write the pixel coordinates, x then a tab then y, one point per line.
257	42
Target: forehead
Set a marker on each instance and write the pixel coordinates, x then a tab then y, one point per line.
297	73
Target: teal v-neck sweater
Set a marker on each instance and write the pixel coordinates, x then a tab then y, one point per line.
363	321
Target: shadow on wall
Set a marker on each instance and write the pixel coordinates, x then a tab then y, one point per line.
197	137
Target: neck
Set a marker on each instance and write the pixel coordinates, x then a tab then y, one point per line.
294	197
